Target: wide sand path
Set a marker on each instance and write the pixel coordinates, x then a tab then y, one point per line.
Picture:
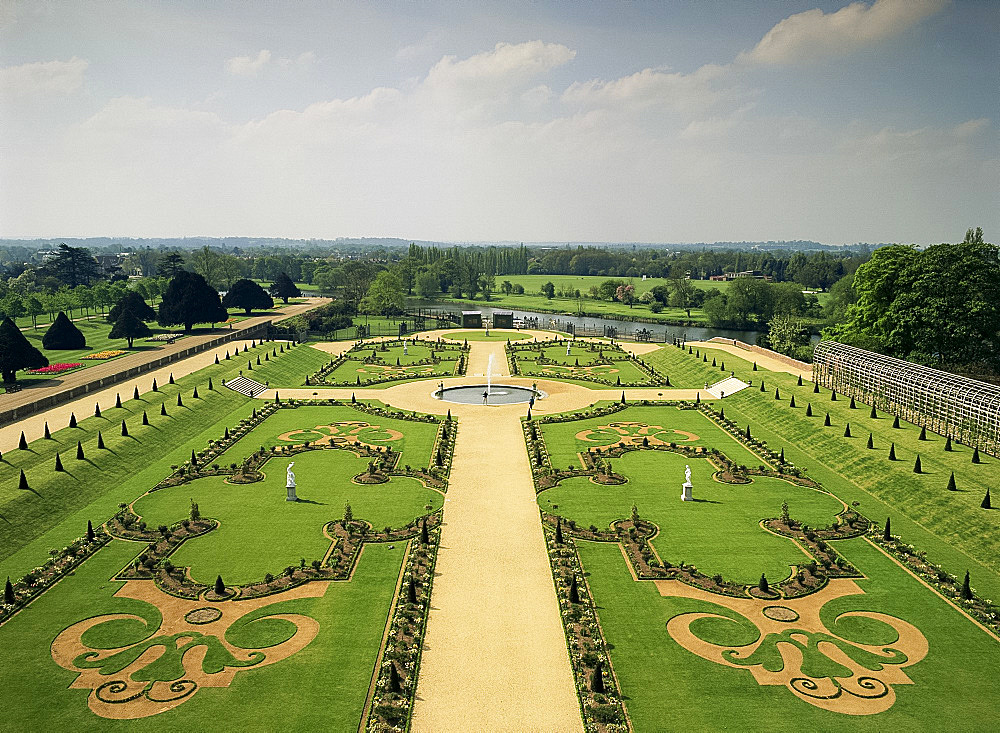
495	655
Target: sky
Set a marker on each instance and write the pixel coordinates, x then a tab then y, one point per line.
538	120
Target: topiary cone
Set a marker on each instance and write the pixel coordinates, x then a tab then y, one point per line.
809	410
100	440
216	358
395	684
145	418
777	394
852	405
816	388
947	443
826	421
79	451
118	399
623	397
799	383
135	394
90	531
425	537
163	409
411	592
916	465
8	593
748	436
559	534
887	534
923	434
895	422
124	429
194	395
597	679
22	483
97	410
220	587
975	452
892	452
792	403
47	434
762	585
154	388
59	465
171	379
72	419
574	591
951	482
871	442
986	500
873	414
762	388
180	402
22	444
210	387
847	431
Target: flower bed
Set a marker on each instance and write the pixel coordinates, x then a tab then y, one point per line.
167	337
390	709
54	368
108	354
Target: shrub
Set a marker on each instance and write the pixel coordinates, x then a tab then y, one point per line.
63	334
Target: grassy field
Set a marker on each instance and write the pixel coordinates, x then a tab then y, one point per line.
57	509
384	365
351	618
582	364
667	687
512	336
666	684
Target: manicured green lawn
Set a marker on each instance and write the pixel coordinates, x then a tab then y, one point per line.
667	687
57	509
414	440
351	617
719	532
689	372
581	365
384	362
282	532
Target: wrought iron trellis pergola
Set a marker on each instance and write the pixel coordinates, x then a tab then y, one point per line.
948	404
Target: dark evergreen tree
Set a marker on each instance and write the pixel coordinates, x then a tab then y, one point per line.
975	455
748	432
248	295
124	429
781	456
8	593
135	393
72	419
871	442
79	451
131	301
762	585
792	403
47	434
916	465
72	266
395	684
873	414
411	592
987	504
833	396
847	431
762	388
799	382
284	288
163	409
90	531
597	679
826	421
923	434
22	483
189	300
816	388
887	534
22	444
425	536
559	533
59	465
951	482
809	410
777	394
63	334
180	403
100	440
852	406
574	591
194	395
220	587
895	422
16	352
892	452
966	588
129	326
947	443
145	418
97	410
118	399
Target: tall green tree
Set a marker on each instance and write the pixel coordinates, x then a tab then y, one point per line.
247	294
16	353
385	295
939	306
170	264
284	288
72	266
63	334
189	300
130	326
133	301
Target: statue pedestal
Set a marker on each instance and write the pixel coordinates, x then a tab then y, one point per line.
291	493
686	491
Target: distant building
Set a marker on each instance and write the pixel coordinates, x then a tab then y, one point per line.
503	319
472	319
755	274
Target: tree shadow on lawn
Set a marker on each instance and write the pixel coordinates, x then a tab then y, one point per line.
300	500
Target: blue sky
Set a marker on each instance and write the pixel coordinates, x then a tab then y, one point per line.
473	121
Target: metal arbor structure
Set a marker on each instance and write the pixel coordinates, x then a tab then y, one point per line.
948	404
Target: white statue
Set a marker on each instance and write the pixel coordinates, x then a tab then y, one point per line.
686	486
567	348
405	352
687	474
290	483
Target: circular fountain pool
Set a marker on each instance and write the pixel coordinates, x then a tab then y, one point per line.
499	394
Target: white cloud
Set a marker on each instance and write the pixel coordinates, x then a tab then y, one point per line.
246	65
814	34
507	66
652	87
52	77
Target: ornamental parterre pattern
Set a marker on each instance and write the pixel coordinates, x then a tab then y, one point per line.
795	649
157	666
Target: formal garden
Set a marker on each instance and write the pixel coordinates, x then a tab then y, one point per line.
778	586
159	568
385	363
593	363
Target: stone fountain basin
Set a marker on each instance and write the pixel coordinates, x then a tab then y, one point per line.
500	394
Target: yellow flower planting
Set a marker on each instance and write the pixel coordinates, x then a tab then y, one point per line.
107	354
